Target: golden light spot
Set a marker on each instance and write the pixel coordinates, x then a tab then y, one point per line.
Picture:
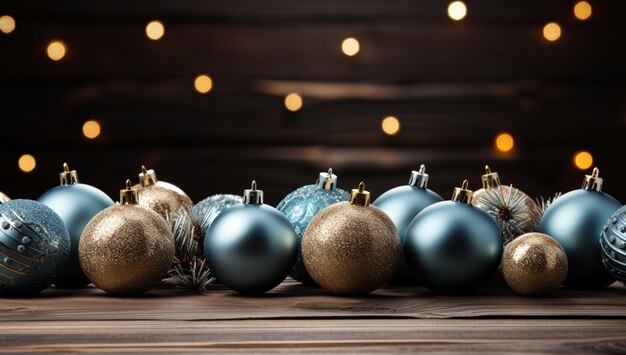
155	30
582	10
293	102
390	125
91	129
27	163
56	50
350	46
583	160
7	24
457	10
504	142
203	83
552	31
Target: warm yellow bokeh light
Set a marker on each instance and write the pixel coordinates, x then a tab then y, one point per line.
457	10
350	46
203	83
390	125
91	129
583	160
26	163
582	10
504	142
293	102
155	30
56	50
7	24
552	31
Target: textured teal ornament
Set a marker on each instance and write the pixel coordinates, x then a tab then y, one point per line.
301	205
208	209
402	204
452	246
76	204
34	245
576	220
251	247
613	245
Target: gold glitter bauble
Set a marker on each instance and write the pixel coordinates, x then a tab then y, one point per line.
534	264
351	248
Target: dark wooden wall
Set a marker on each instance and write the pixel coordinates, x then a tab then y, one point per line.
454	86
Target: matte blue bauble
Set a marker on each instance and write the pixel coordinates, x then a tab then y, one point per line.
613	245
251	247
208	209
402	204
76	204
301	205
452	246
576	220
34	245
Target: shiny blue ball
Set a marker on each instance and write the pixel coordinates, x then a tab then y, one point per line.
34	245
576	220
251	248
76	204
613	245
300	206
453	247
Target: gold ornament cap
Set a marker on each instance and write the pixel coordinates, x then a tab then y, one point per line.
490	179
129	196
147	177
67	176
462	194
252	196
327	181
593	181
359	196
419	178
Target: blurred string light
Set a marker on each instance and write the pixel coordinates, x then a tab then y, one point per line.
504	142
583	160
390	125
457	10
91	129
27	163
552	31
56	50
7	24
582	10
350	46
293	102
155	30
203	83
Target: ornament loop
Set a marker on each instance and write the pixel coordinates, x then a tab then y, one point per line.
327	181
67	176
593	181
253	196
147	177
128	196
490	179
360	196
419	178
462	194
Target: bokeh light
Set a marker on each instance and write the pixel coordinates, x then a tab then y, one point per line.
56	50
350	46
155	30
293	102
552	31
7	24
27	163
504	142
203	83
457	10
583	160
582	10
390	125
91	129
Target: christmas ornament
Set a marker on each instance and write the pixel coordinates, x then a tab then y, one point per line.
613	245
301	205
513	211
351	248
126	248
4	197
452	246
575	220
402	204
76	204
34	245
251	247
534	264
208	209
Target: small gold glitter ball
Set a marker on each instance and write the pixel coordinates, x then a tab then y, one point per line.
160	196
351	248
534	264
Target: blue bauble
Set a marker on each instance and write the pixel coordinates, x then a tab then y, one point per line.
613	245
251	247
452	246
402	204
76	204
301	205
576	220
208	209
34	245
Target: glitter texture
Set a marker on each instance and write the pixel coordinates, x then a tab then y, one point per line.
34	245
126	249
534	264
350	249
300	206
208	209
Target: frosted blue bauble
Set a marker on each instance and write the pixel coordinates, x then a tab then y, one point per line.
613	245
34	245
208	209
301	205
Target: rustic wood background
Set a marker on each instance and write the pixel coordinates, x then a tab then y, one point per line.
454	86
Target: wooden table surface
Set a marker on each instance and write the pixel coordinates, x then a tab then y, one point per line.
295	318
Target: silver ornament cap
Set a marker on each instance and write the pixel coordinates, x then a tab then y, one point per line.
419	178
490	179
252	196
147	177
67	176
327	181
129	195
593	182
462	194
